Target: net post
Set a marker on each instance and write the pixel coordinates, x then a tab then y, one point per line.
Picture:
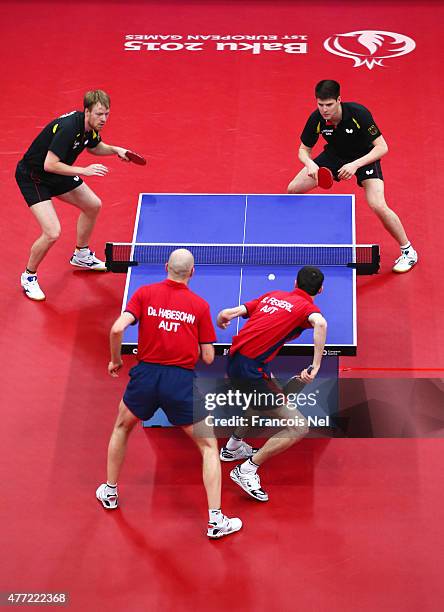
113	265
369	267
108	255
376	257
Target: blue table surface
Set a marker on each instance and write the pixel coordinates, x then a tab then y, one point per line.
264	219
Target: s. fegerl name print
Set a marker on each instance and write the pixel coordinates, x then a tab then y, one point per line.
274	318
273	305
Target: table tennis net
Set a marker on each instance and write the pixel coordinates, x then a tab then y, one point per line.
364	258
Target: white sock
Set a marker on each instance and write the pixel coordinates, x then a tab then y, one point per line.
82	251
215	515
113	487
234	443
406	247
249	467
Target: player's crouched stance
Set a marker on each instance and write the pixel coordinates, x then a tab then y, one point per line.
248	368
354	147
164	377
282	425
47	171
219	525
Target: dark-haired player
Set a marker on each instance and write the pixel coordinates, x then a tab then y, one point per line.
47	171
354	146
274	318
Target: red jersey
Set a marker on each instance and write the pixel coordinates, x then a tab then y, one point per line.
275	318
173	321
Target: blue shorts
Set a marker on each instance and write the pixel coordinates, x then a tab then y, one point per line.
171	388
327	159
251	376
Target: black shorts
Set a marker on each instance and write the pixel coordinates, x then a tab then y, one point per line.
329	160
36	188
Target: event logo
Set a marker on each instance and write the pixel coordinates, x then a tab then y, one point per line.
255	44
369	47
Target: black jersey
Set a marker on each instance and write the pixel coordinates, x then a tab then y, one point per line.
350	139
65	137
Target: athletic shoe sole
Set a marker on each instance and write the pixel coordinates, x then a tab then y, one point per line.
224	458
82	267
34	299
404	271
235	479
222	533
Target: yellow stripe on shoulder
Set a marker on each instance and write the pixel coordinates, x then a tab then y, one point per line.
354	121
94	134
318	128
54	129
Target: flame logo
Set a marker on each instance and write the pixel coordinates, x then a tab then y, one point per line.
369	47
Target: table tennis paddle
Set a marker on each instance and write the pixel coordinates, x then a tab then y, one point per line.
325	178
136	158
296	384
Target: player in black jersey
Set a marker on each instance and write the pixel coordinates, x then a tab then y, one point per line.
354	146
47	171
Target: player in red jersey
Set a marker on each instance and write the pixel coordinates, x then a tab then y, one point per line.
175	328
274	318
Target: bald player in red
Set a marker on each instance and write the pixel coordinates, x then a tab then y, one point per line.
175	329
274	318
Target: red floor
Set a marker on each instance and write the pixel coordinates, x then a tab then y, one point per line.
352	524
348	527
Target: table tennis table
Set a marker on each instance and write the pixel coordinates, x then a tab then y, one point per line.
246	219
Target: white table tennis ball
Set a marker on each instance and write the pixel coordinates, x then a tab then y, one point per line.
271	277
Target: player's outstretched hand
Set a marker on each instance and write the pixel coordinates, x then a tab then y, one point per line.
95	170
113	368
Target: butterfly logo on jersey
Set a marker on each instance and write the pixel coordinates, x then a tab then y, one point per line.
349	131
369	47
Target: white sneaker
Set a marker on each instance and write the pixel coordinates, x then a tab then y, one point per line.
406	261
88	261
107	496
250	483
31	287
228	525
243	452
